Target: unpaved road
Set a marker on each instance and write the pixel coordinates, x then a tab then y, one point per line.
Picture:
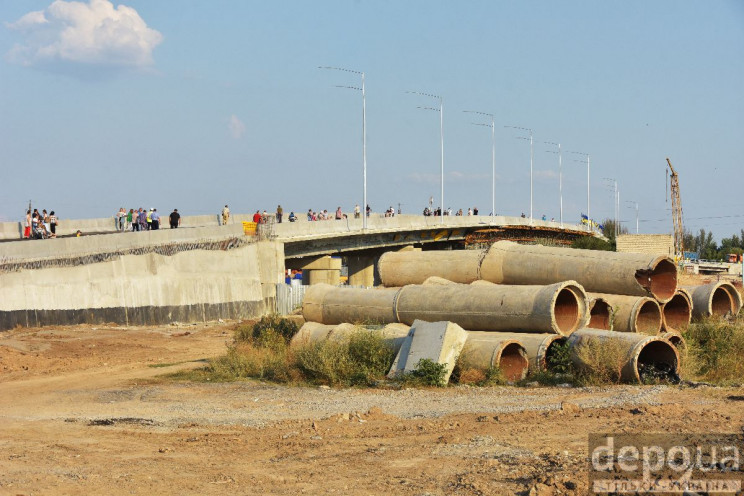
83	412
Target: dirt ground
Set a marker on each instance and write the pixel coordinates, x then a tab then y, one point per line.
82	411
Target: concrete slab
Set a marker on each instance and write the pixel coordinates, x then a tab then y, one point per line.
440	342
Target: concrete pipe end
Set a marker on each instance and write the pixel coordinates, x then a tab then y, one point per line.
569	308
653	360
735	296
660	280
676	339
647	317
600	314
512	361
721	303
676	313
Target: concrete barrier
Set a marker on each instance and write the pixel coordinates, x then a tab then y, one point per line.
188	286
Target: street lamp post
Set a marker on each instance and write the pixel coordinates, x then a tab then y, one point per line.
636	209
560	176
364	136
616	201
588	213
531	161
493	155
441	141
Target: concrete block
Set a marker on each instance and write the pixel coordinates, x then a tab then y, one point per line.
440	342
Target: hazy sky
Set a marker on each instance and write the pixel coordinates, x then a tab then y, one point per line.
194	104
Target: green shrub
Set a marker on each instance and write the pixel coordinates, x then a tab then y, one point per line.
602	362
592	243
427	373
268	323
559	359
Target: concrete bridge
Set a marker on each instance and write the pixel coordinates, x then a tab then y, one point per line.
203	271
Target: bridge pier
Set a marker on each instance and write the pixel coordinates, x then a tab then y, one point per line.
318	270
362	270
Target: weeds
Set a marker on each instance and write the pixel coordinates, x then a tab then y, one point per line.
363	359
427	373
715	348
602	361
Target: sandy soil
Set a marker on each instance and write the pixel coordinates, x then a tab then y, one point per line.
83	412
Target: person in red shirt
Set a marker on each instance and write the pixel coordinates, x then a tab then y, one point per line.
257	217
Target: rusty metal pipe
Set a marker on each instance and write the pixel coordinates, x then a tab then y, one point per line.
635	355
633	313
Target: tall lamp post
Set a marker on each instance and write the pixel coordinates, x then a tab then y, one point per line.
560	175
531	161
636	209
493	155
364	136
588	213
441	141
616	201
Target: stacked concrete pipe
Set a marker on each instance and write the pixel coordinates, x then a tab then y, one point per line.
677	313
511	263
557	308
638	353
675	338
538	347
485	350
328	304
719	299
638	314
314	332
600	313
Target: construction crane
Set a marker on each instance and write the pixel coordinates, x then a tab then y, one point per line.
679	231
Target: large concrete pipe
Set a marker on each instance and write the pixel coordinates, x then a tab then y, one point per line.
677	312
675	338
313	332
638	357
485	350
556	308
715	299
600	314
436	281
333	305
633	313
398	268
597	271
540	348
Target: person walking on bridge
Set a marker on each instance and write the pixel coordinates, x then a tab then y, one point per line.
174	219
225	215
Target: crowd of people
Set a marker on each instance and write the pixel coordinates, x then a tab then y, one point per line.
40	225
144	220
436	212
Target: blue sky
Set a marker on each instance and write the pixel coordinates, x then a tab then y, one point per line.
191	105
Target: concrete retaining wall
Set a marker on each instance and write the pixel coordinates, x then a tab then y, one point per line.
188	286
653	244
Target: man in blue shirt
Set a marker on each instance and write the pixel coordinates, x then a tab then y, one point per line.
155	217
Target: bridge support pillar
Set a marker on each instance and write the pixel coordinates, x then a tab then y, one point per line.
361	270
325	270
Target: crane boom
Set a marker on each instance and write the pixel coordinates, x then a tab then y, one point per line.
676	213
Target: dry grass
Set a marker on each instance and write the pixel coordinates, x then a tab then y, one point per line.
715	348
600	361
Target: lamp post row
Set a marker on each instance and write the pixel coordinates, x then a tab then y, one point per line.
441	139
